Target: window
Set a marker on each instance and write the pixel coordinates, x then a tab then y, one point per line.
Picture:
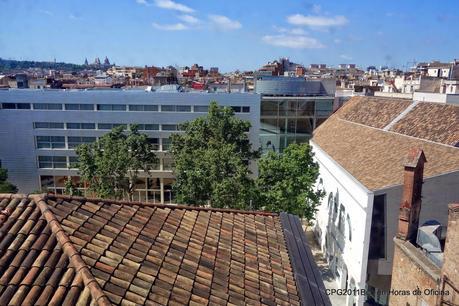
236	109
74	142
56	162
148	127
47	106
48	125
184	108
111	107
168	163
50	142
378	228
15	105
154	142
73	162
166	144
89	107
246	109
143	108
176	108
169	127
201	108
81	126
324	108
109	126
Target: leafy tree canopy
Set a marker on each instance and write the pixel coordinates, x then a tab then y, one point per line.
5	186
286	181
212	160
110	166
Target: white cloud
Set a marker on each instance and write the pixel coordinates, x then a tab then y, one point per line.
294	31
171	5
293	41
46	12
224	23
189	19
316	21
170	27
144	2
346	57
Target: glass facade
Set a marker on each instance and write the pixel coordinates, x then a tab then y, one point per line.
286	120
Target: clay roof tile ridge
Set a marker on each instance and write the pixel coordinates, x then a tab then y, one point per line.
67	247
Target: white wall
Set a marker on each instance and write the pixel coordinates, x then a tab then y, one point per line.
357	201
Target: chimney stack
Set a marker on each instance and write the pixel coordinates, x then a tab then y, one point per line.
410	206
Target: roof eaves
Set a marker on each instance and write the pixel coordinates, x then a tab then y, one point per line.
308	278
68	248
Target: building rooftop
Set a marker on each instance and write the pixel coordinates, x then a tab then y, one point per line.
372	144
67	250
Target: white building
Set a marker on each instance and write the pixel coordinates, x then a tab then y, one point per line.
40	130
361	151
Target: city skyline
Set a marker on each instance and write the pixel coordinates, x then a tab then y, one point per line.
229	35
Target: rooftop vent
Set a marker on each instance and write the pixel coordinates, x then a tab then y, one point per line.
428	239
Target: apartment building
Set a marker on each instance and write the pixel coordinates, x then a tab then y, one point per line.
40	130
361	150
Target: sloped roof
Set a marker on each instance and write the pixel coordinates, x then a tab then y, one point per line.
374	156
64	250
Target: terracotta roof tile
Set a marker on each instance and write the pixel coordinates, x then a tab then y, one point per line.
61	250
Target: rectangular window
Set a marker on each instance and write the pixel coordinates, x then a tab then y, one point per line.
81	126
48	125
168	108
111	107
56	162
184	108
47	106
23	105
109	126
74	142
236	109
73	162
148	127
168	163
169	127
378	228
166	144
246	109
143	108
201	108
154	142
89	107
324	108
50	142
8	105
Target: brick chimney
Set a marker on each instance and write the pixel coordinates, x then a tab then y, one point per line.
410	206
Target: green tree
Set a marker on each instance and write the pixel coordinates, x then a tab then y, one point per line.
212	160
71	188
111	165
286	181
5	186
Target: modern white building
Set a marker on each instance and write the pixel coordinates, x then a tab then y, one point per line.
39	130
361	151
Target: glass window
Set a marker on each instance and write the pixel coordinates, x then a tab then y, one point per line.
378	228
81	126
324	108
348	219
154	142
150	108
304	125
168	108
47	181
47	106
166	144
105	126
8	105
169	127
48	125
143	108
246	109
73	162
269	108
236	109
306	108
119	107
50	142
184	108
74	142
79	107
23	105
111	107
136	108
58	162
168	163
148	127
201	108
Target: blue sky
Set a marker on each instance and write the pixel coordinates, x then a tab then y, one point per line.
237	34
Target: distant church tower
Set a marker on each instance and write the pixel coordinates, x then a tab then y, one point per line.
97	61
86	62
106	61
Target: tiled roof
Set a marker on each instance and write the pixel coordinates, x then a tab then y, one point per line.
431	121
375	157
64	250
373	111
